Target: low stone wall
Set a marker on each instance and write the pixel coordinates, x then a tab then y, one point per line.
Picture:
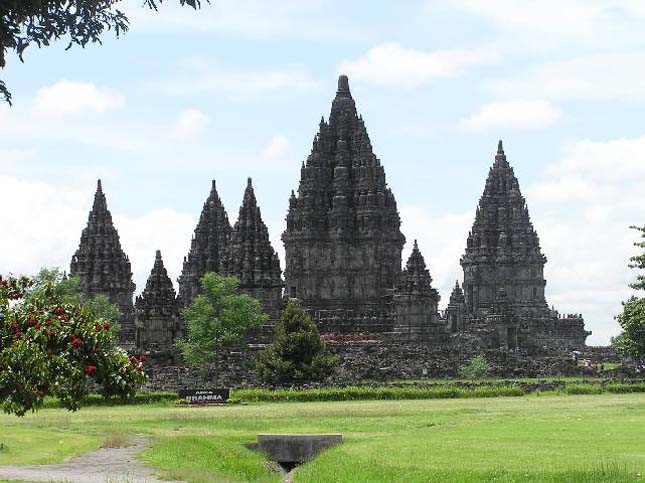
368	356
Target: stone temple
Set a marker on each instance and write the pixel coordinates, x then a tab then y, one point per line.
343	245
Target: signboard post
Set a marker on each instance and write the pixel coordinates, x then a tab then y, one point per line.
204	396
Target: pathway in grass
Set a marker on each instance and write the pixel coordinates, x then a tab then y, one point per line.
105	465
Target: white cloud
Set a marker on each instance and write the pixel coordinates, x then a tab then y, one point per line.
191	122
72	97
547	25
277	147
391	64
514	114
614	76
312	19
582	210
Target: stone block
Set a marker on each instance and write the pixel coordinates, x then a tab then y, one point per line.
296	448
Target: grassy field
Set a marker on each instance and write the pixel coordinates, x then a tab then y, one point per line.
555	438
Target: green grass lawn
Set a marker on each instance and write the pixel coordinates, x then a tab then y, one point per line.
555	438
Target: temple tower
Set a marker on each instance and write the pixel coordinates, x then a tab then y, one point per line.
456	310
343	241
207	248
503	249
103	267
156	311
251	258
415	300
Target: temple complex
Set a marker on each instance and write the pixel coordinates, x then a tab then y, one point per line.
251	258
102	266
343	262
156	311
342	241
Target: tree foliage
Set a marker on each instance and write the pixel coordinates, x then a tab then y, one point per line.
216	321
66	289
51	345
298	354
27	22
476	368
631	341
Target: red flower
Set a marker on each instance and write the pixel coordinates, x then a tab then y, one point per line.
76	343
18	335
106	326
38	326
48	323
30	321
90	370
142	359
133	359
64	318
59	310
40	393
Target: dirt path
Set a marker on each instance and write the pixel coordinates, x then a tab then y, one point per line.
105	465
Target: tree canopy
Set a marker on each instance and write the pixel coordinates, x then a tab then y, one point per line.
217	320
631	341
52	345
298	354
28	22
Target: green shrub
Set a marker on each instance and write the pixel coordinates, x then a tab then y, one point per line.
475	368
621	388
298	354
583	389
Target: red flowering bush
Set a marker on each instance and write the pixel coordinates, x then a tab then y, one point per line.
50	346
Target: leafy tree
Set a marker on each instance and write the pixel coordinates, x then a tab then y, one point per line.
631	341
26	22
53	346
298	354
476	368
216	321
66	289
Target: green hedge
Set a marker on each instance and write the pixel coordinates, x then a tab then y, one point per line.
443	390
583	389
361	393
622	388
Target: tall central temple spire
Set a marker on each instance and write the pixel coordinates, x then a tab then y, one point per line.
503	252
343	241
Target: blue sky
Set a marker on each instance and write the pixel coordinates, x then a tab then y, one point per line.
238	88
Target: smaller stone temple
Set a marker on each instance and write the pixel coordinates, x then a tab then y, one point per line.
156	311
416	301
251	258
103	267
503	303
207	247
